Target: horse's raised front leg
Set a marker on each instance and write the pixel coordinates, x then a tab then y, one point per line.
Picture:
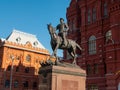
55	50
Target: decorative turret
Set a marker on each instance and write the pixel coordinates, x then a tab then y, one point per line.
115	21
73	16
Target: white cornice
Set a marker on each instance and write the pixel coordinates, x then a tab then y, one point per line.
26	49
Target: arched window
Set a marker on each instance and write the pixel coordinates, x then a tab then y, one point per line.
92	45
28	58
89	17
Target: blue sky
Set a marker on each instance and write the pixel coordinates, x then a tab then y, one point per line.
32	16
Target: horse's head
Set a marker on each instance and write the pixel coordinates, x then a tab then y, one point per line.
50	29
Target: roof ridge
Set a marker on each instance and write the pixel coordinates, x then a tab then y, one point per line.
21	32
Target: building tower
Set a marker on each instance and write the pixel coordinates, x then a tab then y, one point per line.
20	57
98	32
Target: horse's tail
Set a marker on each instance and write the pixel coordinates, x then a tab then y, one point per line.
78	46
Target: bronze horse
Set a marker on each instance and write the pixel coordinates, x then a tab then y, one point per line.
56	43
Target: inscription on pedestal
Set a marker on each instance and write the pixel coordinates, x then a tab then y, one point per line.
69	85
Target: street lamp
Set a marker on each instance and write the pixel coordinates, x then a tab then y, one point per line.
12	58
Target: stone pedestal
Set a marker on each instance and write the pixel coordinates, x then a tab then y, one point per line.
61	78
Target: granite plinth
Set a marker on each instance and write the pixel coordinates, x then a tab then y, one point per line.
61	78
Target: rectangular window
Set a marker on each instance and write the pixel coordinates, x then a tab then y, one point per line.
105	10
89	17
92	47
94	14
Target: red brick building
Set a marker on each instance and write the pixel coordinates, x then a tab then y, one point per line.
20	57
95	25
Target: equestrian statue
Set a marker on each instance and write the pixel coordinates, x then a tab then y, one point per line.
59	41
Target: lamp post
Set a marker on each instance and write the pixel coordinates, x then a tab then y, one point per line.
12	58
